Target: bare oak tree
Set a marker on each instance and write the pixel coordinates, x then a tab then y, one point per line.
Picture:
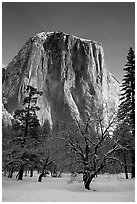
92	142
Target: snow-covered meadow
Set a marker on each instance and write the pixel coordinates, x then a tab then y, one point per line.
104	188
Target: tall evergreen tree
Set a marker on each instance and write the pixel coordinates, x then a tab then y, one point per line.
27	125
26	117
127	105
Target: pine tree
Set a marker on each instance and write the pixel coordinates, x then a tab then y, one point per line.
26	119
27	126
127	105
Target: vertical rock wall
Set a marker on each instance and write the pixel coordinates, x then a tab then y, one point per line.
70	72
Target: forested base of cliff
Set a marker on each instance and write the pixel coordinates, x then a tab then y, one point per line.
104	188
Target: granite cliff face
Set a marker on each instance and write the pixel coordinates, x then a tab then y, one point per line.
6	116
70	72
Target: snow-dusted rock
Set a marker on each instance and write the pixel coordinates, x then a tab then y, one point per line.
6	116
70	72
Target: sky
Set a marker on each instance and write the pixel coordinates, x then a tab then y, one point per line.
110	23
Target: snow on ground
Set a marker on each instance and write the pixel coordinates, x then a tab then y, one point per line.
104	188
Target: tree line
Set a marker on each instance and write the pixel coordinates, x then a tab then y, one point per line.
89	148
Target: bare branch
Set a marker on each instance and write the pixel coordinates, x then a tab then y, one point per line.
80	148
91	142
116	159
112	150
87	124
100	123
73	147
104	133
107	128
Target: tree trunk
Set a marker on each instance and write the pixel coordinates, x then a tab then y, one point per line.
40	177
20	173
54	172
11	172
88	175
43	171
87	184
87	179
26	173
125	165
31	172
4	173
95	167
59	175
133	163
95	153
